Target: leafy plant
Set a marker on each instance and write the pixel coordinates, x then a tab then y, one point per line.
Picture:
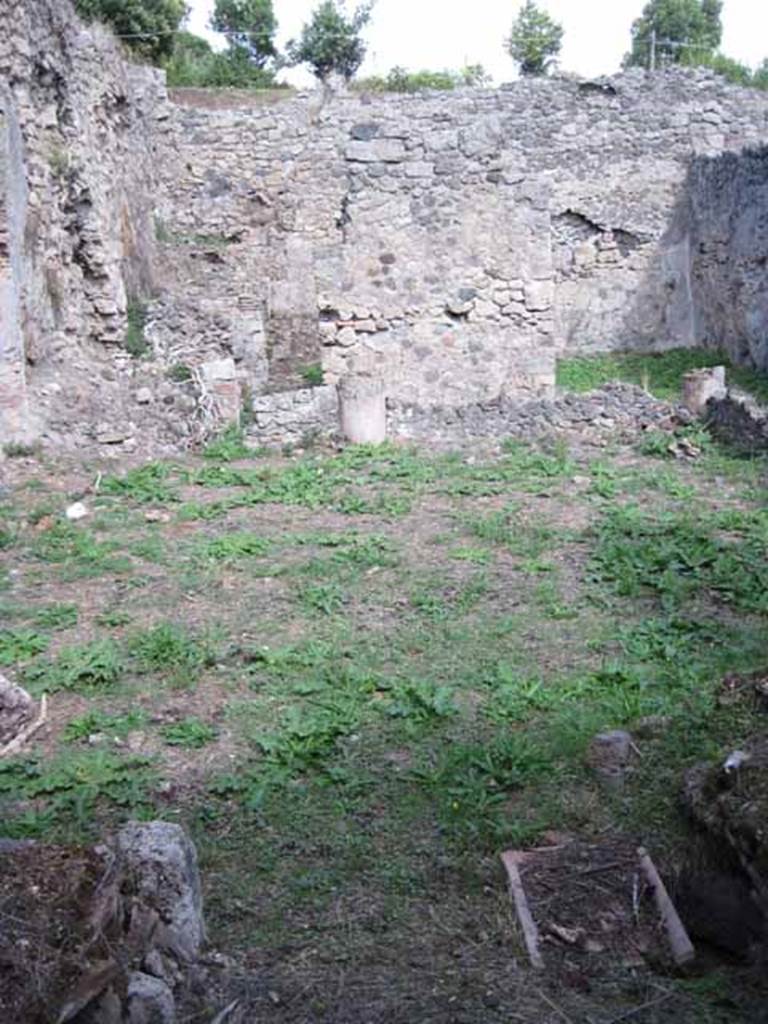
190	733
135	342
330	42
677	556
57	616
228	446
113	617
118	725
82	667
312	375
20	645
170	649
232	546
421	702
81	554
73	787
146	484
535	41
326	598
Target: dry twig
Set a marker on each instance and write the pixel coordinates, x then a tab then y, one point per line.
511	860
682	947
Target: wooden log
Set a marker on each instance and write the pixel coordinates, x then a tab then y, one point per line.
511	860
680	944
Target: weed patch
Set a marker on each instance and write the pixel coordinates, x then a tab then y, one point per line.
678	557
190	733
81	667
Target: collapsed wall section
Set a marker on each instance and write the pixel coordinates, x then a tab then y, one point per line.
82	130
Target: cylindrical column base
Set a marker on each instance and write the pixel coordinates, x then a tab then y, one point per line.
362	409
701	385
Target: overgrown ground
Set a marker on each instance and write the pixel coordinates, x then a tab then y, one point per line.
358	676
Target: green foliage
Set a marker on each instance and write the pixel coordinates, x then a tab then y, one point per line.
179	373
135	342
249	26
20	645
472	782
686	32
21	450
228	446
72	788
422	702
401	80
100	722
679	557
535	41
760	77
231	547
79	552
147	484
330	42
661	373
81	667
661	443
172	650
57	616
113	617
147	26
312	375
190	733
307	737
326	598
731	70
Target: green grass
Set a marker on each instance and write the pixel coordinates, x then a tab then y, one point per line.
661	373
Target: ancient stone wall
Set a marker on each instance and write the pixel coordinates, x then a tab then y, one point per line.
452	243
82	132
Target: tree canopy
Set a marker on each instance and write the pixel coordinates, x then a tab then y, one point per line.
147	26
676	32
248	24
330	41
535	40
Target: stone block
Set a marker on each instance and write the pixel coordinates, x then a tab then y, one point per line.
376	151
539	295
160	863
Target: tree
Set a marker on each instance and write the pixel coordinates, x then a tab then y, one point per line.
535	41
148	26
330	41
248	25
676	32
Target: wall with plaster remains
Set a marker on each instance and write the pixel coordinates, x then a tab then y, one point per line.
729	200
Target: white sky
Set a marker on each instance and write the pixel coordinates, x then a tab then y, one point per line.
434	34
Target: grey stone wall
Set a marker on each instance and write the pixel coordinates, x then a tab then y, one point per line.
729	200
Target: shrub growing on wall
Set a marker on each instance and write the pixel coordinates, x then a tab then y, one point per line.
148	26
535	41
